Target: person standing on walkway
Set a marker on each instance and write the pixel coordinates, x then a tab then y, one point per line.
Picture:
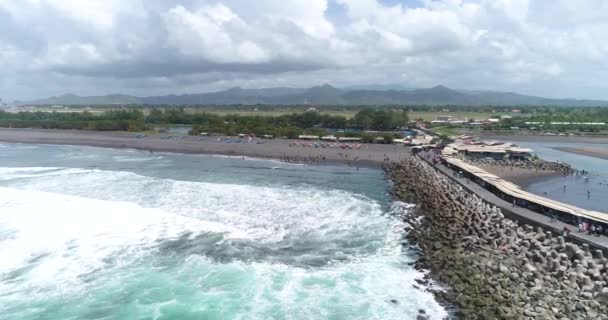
566	232
588	194
564	188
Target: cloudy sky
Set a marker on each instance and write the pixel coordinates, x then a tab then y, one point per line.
554	48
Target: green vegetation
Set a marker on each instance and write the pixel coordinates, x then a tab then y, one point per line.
587	120
292	125
111	120
289	125
446	130
295	120
557	120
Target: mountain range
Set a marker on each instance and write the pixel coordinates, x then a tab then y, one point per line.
325	95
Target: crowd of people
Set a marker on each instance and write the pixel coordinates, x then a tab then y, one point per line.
592	228
333	145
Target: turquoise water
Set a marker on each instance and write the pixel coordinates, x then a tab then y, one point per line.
576	189
89	233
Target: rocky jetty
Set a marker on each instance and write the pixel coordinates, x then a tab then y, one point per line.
532	164
495	268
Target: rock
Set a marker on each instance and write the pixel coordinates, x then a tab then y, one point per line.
496	269
502	268
602	297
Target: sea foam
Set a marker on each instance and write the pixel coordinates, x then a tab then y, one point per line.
97	241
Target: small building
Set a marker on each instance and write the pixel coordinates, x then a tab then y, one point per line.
308	137
329	138
443	118
495	150
456	122
349	139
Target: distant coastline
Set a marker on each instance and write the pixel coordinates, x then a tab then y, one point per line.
546	138
368	155
596	152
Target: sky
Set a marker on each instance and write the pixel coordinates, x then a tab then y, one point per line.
551	48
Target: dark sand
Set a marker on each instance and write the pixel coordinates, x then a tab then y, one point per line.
595	152
369	155
544	138
520	176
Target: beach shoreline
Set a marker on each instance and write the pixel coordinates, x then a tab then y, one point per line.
519	176
368	155
545	138
595	152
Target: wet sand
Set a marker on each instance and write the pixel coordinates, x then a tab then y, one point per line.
520	176
548	138
369	155
596	152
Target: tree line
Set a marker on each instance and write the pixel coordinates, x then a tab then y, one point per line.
231	124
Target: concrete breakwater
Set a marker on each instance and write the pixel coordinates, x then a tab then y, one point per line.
536	164
495	268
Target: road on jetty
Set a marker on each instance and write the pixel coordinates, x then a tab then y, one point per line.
522	214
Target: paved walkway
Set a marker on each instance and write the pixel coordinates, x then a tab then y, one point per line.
524	214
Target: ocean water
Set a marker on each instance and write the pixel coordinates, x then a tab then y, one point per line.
576	188
90	233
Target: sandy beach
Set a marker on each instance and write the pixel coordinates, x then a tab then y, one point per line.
520	176
545	138
368	155
596	152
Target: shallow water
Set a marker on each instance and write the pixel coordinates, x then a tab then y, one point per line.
576	188
89	233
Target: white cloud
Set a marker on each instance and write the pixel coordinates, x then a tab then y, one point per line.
536	47
70	54
205	33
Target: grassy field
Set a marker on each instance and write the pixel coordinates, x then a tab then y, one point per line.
446	131
456	115
273	113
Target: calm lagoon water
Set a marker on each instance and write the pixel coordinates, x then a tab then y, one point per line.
89	233
576	189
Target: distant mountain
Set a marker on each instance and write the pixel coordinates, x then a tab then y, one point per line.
325	95
72	99
235	95
378	87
